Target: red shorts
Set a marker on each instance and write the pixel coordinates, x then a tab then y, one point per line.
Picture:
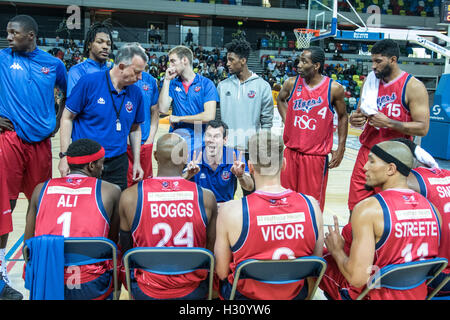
5	208
306	173
146	162
26	164
357	191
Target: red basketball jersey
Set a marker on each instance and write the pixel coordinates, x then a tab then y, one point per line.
309	118
435	186
411	233
275	226
390	102
170	213
72	207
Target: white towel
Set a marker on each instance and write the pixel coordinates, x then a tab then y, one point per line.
369	95
425	158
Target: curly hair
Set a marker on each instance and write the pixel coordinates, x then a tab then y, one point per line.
239	47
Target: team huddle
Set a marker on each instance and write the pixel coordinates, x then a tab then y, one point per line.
108	188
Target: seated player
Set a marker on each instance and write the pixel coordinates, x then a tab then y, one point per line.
271	223
168	211
380	230
79	205
433	183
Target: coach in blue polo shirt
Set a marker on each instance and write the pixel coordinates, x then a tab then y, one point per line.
193	97
218	168
97	47
107	107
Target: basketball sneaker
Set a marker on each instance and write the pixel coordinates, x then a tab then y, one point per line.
6	292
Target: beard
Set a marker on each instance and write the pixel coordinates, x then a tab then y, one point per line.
368	188
384	73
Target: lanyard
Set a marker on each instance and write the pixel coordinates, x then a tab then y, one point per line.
118	125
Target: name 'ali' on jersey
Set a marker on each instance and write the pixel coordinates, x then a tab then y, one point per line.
309	118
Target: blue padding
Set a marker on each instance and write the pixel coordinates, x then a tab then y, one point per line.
409	275
81	253
168	263
278	273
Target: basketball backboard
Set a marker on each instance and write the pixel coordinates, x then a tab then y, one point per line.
322	16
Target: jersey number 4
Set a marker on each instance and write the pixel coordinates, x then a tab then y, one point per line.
184	237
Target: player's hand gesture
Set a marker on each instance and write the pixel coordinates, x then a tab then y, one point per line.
192	167
238	168
171	74
333	239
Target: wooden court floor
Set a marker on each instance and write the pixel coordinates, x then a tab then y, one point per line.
335	204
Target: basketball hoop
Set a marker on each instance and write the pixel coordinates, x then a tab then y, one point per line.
304	36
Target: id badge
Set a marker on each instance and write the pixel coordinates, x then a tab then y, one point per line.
118	126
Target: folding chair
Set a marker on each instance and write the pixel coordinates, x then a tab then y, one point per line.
280	271
82	251
405	276
169	261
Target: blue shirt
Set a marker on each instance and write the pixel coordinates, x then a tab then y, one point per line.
27	82
221	181
96	117
79	70
200	91
150	94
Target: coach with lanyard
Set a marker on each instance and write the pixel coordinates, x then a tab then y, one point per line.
108	108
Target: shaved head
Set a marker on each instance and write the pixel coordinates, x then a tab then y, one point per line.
399	151
171	150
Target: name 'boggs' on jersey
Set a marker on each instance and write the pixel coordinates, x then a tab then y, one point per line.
161	204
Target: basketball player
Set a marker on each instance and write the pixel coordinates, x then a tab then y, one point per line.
192	96
168	211
433	183
307	104
28	77
402	112
98	45
381	230
79	205
271	223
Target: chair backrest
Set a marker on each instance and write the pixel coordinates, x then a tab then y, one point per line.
169	261
280	271
405	276
444	281
83	250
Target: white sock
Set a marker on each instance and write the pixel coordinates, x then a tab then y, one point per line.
2	258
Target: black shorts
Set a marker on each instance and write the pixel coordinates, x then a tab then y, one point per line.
115	170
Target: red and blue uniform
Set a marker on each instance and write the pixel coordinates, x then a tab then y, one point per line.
170	213
274	226
308	137
73	207
27	82
411	233
391	102
435	186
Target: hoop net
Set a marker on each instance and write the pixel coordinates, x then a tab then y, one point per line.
304	36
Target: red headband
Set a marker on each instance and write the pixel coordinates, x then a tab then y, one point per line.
87	158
